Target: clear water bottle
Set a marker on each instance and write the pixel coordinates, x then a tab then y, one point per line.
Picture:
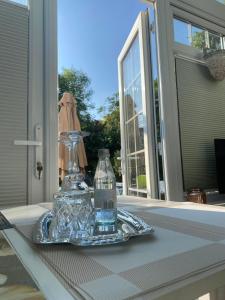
105	200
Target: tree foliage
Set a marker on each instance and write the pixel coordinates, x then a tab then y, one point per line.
198	40
111	132
208	42
111	123
104	133
78	84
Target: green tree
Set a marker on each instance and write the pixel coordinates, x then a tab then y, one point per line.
104	133
93	142
198	40
208	42
111	122
111	131
78	84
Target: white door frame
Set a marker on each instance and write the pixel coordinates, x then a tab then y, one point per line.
43	97
50	99
140	28
208	10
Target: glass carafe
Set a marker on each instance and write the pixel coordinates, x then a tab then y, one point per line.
72	205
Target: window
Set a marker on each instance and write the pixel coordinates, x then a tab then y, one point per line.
22	2
221	1
134	119
194	36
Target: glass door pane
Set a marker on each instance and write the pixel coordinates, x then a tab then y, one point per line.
134	102
134	122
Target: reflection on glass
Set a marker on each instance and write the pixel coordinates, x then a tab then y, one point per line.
139	132
143	195
214	41
130	137
221	1
132	80
137	172
133	193
127	70
181	32
181	35
141	172
132	172
135	58
137	95
198	38
129	102
134	119
195	36
23	2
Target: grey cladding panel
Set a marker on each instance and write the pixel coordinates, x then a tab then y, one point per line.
201	104
13	103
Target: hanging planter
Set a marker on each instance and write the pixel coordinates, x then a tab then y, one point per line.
215	62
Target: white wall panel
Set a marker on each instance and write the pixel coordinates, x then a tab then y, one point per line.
201	108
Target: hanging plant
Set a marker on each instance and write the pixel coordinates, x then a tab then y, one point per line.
215	62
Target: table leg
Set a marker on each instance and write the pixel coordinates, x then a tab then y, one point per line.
218	294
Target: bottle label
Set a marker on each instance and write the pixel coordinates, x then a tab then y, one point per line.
105	199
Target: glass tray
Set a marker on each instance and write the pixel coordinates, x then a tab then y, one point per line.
128	226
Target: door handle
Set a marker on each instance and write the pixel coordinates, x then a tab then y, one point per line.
27	143
38	171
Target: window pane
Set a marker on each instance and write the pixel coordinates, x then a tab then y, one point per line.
23	2
141	172
132	175
214	41
181	34
221	1
135	57
134	120
131	64
127	71
198	38
195	36
143	195
130	137
132	193
132	80
137	95
139	132
129	103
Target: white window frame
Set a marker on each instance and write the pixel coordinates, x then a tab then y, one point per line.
165	10
43	97
140	28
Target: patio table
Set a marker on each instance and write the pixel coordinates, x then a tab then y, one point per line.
184	259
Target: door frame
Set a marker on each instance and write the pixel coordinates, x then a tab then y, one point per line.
208	10
42	99
140	28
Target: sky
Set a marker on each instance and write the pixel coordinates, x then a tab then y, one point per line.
91	34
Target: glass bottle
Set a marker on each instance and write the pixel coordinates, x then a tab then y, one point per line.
105	200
